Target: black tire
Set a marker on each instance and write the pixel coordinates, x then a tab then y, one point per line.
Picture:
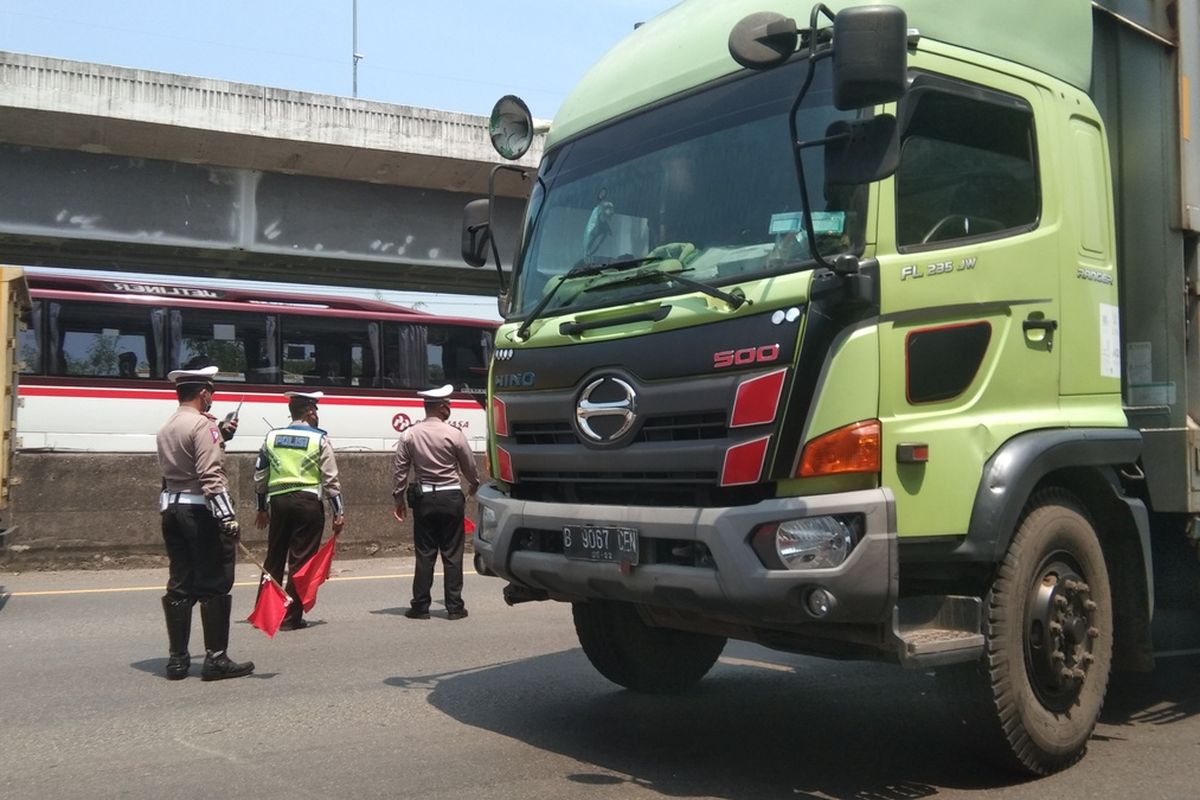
632	654
1032	703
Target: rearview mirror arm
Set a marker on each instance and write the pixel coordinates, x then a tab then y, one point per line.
814	55
492	204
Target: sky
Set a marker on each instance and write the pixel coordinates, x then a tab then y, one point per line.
453	55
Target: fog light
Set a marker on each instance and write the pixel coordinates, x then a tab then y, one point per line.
820	602
487	524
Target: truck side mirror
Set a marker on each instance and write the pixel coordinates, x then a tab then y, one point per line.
862	151
476	232
870	56
763	40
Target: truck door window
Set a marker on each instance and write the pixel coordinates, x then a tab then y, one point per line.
967	167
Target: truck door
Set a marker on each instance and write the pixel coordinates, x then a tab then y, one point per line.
1090	330
969	290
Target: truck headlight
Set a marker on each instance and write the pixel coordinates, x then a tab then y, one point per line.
807	543
487	524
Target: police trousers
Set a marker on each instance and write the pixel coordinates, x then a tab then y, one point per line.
297	521
438	528
201	558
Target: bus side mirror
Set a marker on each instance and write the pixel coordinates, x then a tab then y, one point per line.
476	232
870	56
862	151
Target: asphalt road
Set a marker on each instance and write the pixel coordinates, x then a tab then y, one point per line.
500	705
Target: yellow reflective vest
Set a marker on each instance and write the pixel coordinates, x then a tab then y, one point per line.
294	458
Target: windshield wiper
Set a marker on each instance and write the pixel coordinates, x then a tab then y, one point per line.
734	301
578	271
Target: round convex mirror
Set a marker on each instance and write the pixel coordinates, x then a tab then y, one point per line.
511	127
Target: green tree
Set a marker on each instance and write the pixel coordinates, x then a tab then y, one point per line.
101	359
228	356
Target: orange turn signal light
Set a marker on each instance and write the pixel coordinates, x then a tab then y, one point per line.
851	448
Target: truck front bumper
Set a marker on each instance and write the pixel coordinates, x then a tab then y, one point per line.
735	586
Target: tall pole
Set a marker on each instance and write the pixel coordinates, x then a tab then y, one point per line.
354	56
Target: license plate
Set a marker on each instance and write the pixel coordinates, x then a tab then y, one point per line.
601	543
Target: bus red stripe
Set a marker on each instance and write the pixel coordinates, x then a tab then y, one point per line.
223	396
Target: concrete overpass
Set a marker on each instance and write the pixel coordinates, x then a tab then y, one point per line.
128	169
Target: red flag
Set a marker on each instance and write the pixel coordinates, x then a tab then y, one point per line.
270	608
314	572
468	526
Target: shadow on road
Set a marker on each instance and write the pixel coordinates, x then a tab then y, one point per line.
1167	695
397	612
158	668
764	726
757	727
4	597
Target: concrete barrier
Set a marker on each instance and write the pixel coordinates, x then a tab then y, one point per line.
74	510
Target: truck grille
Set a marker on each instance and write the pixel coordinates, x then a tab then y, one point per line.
676	428
622	477
658	489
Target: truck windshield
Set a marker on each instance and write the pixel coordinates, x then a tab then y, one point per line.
704	186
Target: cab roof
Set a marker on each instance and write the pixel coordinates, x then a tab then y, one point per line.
687	46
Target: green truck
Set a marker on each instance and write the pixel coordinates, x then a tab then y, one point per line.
862	331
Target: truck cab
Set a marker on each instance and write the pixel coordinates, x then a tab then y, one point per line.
815	340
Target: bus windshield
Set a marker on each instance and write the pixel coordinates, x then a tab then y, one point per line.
704	185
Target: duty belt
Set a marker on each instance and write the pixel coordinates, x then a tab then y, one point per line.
190	498
428	488
280	491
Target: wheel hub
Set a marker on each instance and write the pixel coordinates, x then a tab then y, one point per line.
1060	631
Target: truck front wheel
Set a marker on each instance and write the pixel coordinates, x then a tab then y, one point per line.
1040	687
631	653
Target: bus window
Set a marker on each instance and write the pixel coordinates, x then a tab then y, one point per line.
99	339
29	341
421	356
241	345
461	353
320	351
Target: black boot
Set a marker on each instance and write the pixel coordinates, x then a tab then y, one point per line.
214	612
179	629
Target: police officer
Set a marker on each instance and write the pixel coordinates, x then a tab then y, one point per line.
199	528
295	466
437	452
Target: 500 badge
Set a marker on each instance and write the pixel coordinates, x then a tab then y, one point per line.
746	355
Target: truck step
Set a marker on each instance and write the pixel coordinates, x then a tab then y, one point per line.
934	630
936	640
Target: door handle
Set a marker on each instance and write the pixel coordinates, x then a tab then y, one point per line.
1046	326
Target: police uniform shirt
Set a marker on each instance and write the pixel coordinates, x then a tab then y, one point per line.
437	451
190	453
328	480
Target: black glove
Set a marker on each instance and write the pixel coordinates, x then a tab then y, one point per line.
230	528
